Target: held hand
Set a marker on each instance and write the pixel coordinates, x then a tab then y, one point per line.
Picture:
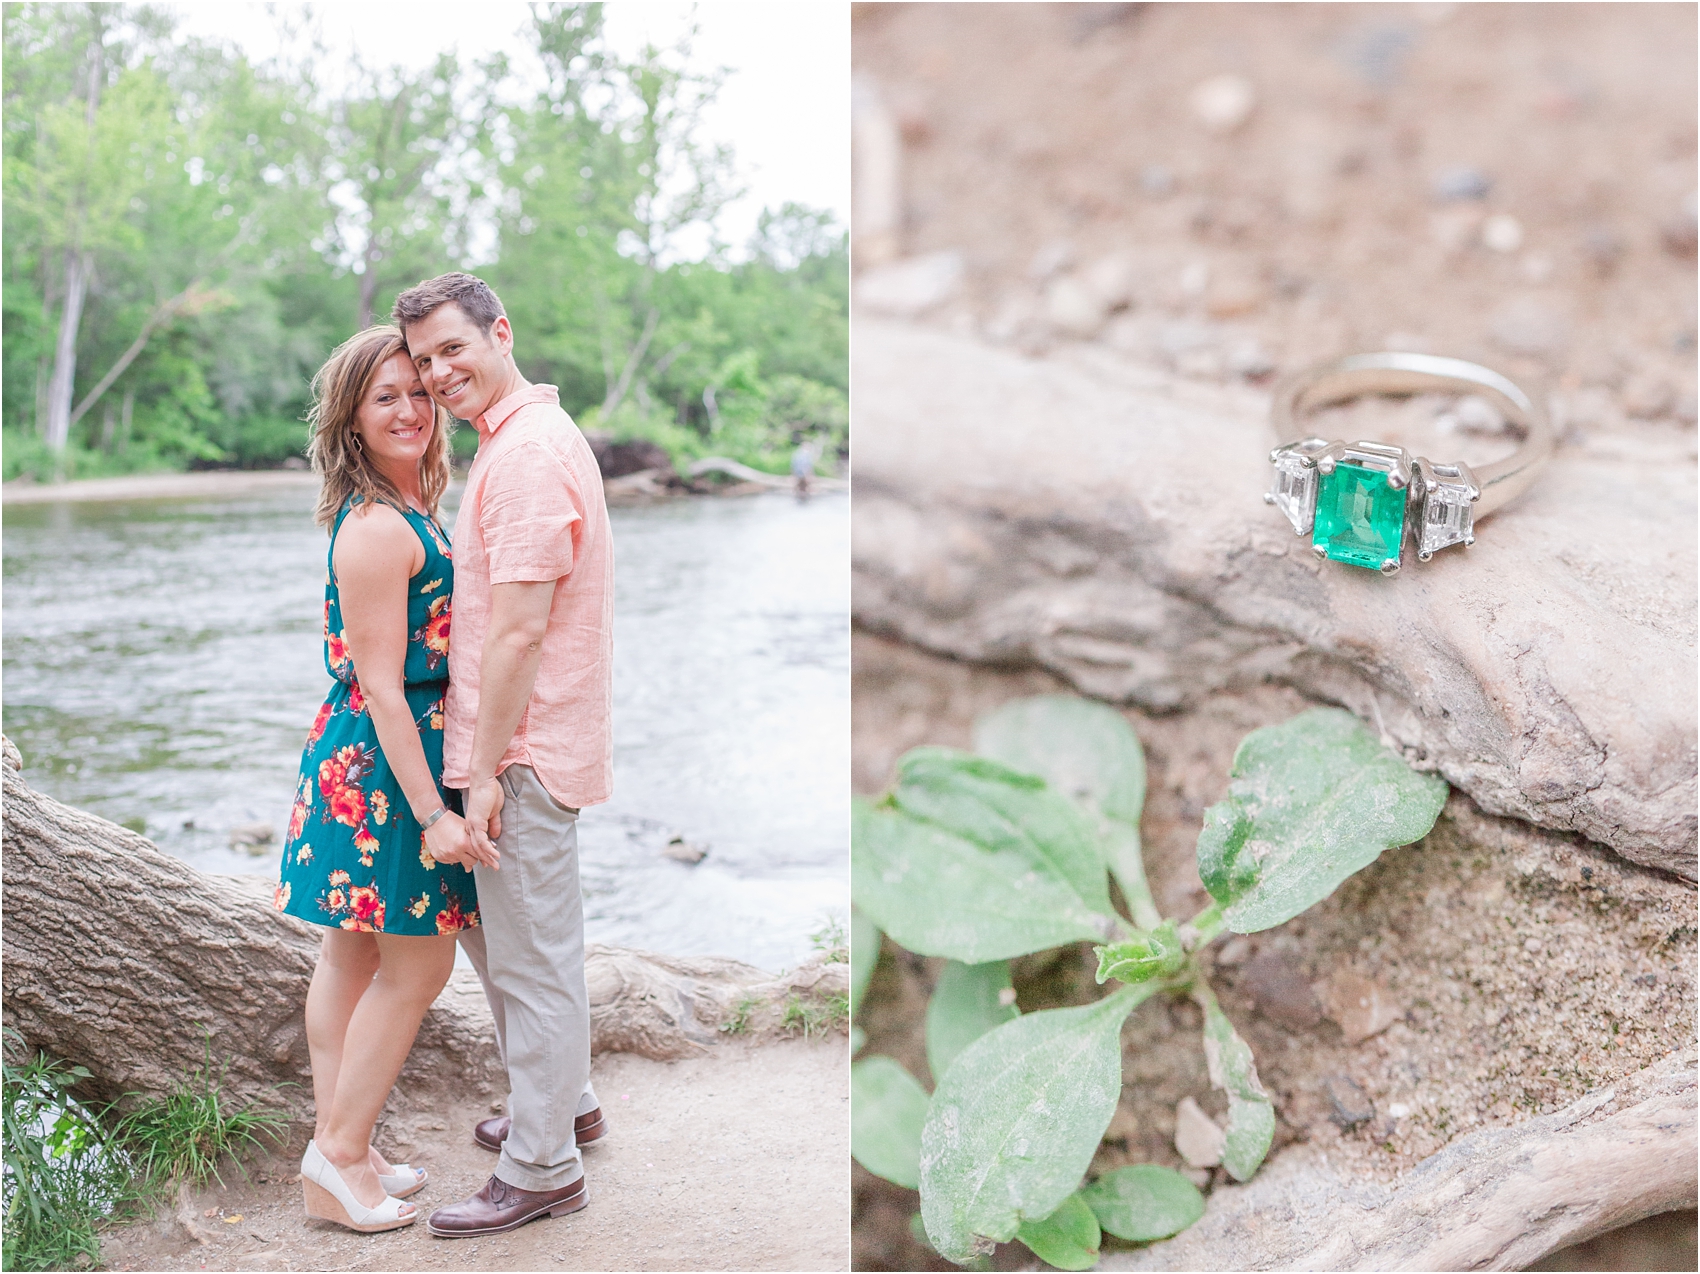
484	820
447	842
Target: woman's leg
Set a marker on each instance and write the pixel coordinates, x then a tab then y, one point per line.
411	973
347	963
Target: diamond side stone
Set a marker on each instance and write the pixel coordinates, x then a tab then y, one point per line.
1294	490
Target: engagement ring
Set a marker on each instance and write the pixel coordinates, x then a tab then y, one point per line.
1356	500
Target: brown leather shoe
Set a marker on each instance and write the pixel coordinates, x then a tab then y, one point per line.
500	1207
588	1127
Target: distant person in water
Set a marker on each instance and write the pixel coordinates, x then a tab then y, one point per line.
374	838
803	458
529	736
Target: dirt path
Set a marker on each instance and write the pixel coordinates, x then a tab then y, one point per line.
736	1160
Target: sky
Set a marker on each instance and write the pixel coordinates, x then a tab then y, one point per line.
785	108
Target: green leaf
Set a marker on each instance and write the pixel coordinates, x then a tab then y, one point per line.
1067	1239
1311	801
864	954
887	1108
940	895
1144	956
1016	1119
969	1000
1001	809
1088	753
1142	1202
1251	1117
1084	750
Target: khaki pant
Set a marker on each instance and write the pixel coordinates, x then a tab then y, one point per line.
529	954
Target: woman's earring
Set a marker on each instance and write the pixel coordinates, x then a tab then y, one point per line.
358	445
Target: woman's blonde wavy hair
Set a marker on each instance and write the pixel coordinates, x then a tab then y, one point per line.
336	455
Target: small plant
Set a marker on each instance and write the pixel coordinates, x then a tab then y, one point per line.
739	1022
981	858
832	941
815	1017
62	1175
182	1136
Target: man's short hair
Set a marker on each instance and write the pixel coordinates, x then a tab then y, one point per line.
468	291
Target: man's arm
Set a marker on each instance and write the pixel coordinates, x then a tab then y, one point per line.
513	647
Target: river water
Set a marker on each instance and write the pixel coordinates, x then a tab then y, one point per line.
162	662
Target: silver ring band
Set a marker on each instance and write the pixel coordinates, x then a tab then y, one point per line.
1435	503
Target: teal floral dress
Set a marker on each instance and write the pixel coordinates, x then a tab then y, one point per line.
355	857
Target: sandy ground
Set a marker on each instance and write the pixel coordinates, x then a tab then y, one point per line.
736	1160
214	484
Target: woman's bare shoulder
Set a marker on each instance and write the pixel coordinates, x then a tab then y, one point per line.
376	534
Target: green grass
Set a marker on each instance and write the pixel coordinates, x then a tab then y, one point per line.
182	1136
739	1022
63	1175
812	1017
68	1167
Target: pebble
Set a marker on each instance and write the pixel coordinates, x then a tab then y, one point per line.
1055	255
1232	295
1603	247
1454	184
1351	1105
1223	102
1112	278
1195	278
1249	359
1156	181
1197	1137
1527	326
1681	233
1074	309
912	286
1648	397
1502	233
1235	951
1283	996
1361	1006
1455	228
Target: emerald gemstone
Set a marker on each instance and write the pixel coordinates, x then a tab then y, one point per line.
1359	518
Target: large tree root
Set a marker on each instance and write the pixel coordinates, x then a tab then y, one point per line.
134	964
1497	1199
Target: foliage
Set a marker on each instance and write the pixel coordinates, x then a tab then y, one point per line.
183	1135
739	1022
831	940
815	1017
62	1174
238	220
980	858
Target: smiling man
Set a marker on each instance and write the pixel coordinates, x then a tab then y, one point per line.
528	735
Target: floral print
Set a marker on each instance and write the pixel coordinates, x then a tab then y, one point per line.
360	873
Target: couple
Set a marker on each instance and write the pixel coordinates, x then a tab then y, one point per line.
441	782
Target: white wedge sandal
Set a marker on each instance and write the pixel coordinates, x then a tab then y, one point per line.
405	1180
327	1195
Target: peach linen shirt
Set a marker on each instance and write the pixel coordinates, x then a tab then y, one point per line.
533	511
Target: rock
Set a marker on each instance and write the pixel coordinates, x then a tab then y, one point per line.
1454	184
1648	397
1073	308
1197	1137
617	458
1283	996
1235	951
1681	233
1528	326
1111	279
876	160
1349	1104
1053	256
1502	233
10	757
1222	103
1534	671
256	838
681	850
1156	181
910	287
1360	1006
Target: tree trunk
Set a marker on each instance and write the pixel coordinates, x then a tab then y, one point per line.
64	377
134	964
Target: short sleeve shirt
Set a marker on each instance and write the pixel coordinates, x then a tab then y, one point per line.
533	511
